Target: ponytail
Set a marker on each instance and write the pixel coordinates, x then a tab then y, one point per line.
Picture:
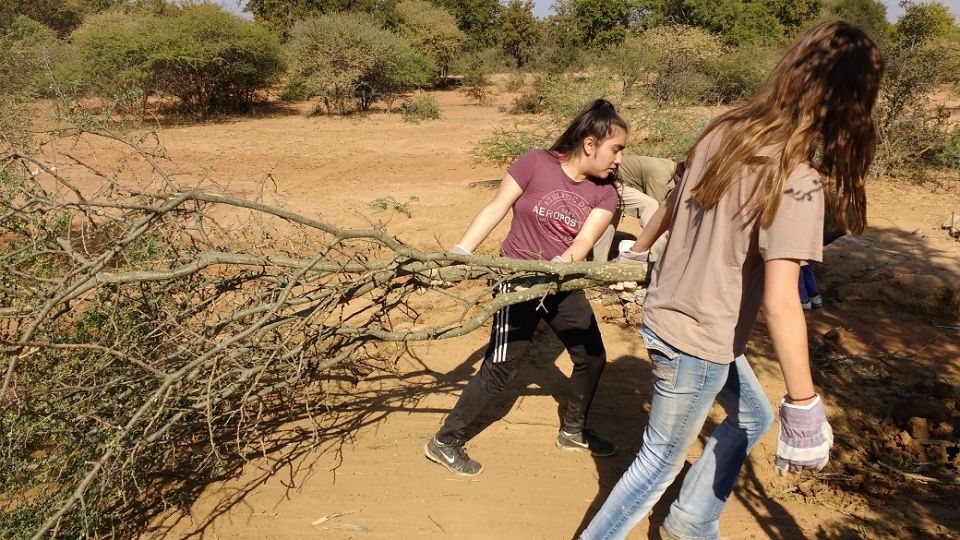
597	120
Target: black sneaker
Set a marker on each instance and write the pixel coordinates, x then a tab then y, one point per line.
586	441
452	457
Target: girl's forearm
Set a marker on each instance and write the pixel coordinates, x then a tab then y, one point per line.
481	226
788	332
658	224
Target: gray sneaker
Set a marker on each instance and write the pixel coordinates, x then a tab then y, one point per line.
586	441
453	457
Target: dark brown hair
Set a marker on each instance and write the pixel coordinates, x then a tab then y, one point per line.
817	104
597	120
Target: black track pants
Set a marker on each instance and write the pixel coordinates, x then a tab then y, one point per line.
571	318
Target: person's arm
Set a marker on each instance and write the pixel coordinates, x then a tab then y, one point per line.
491	214
788	327
590	232
658	224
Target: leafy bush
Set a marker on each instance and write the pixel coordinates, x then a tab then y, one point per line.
420	108
738	73
668	133
923	54
110	56
475	82
565	95
346	58
206	57
295	90
431	31
29	47
680	55
948	155
211	59
506	145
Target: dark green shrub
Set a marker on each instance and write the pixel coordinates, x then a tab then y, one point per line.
529	102
420	108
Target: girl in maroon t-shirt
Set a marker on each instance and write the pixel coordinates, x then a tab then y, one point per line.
562	202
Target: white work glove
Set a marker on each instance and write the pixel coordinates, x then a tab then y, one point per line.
805	437
627	255
457	249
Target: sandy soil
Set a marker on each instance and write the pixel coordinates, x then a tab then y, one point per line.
886	353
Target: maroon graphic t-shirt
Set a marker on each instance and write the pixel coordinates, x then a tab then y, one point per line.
552	209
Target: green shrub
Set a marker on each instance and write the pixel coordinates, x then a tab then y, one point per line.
948	155
295	90
346	58
211	59
29	48
529	102
565	95
668	133
680	55
110	56
476	82
420	108
515	82
206	57
506	145
431	31
738	74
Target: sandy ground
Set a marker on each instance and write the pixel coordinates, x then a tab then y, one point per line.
889	366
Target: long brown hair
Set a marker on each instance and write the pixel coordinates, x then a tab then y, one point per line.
817	105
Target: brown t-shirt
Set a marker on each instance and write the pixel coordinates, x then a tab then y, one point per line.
707	288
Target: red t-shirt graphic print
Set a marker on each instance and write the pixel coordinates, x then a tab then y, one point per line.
552	209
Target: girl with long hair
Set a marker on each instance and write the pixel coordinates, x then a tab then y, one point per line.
562	200
748	209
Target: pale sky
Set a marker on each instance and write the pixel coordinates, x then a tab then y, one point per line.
542	7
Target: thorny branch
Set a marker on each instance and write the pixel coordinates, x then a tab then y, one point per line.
148	329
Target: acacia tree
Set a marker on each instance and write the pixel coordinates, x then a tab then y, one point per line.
478	19
206	57
155	336
281	15
348	57
601	23
521	32
432	31
924	53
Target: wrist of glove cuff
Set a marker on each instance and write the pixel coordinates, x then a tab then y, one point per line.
558	258
805	437
457	249
785	402
633	257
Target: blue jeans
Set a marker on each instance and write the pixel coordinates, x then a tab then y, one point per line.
684	388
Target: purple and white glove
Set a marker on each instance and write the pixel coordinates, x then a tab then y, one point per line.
805	437
558	258
457	249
